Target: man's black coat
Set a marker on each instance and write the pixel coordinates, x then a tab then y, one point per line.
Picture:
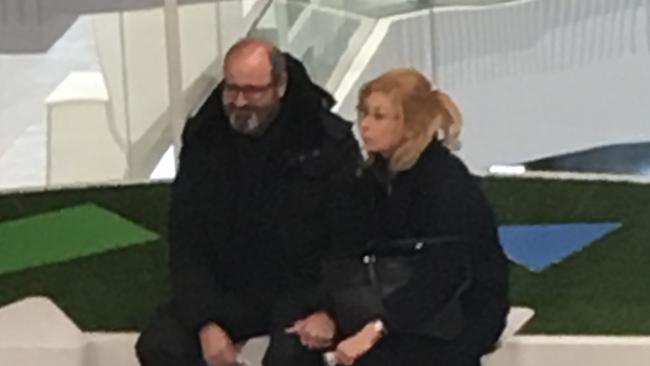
249	214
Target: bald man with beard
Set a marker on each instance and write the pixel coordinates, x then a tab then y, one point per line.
249	219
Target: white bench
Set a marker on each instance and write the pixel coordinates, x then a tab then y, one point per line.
34	331
517	318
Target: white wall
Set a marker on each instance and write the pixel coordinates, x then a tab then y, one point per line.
533	78
82	143
544	77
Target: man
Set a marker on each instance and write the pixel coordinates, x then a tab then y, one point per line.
249	219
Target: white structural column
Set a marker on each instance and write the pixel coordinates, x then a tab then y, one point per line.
174	70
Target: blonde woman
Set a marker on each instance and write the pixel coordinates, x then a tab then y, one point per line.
453	307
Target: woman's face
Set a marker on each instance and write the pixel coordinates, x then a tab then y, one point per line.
381	123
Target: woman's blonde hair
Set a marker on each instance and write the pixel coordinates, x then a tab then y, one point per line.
428	113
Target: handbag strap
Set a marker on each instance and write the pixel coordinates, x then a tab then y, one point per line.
409	246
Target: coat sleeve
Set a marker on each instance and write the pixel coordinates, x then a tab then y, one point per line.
344	206
196	289
455	206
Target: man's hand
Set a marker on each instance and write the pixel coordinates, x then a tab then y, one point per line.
217	346
315	331
350	349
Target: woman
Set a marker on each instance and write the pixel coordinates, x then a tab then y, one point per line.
418	189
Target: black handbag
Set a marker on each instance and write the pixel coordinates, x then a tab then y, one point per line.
357	285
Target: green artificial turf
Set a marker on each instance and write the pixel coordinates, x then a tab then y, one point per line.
63	235
603	289
115	290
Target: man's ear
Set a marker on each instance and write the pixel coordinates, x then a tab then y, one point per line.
282	86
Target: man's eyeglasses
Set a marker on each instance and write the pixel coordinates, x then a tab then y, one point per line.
232	91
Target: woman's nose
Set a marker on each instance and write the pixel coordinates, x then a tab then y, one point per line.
364	124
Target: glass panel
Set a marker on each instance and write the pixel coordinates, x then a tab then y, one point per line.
325	37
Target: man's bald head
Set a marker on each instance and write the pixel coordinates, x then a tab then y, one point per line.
259	56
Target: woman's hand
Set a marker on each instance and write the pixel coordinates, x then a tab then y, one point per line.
350	349
315	331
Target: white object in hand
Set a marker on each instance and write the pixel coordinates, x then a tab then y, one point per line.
329	358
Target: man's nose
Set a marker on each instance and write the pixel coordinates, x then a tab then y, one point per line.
240	101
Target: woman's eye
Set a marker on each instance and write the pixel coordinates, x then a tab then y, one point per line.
379	116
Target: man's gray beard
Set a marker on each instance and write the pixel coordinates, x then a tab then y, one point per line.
253	122
248	125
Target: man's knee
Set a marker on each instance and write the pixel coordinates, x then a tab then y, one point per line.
154	350
146	350
286	350
165	343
